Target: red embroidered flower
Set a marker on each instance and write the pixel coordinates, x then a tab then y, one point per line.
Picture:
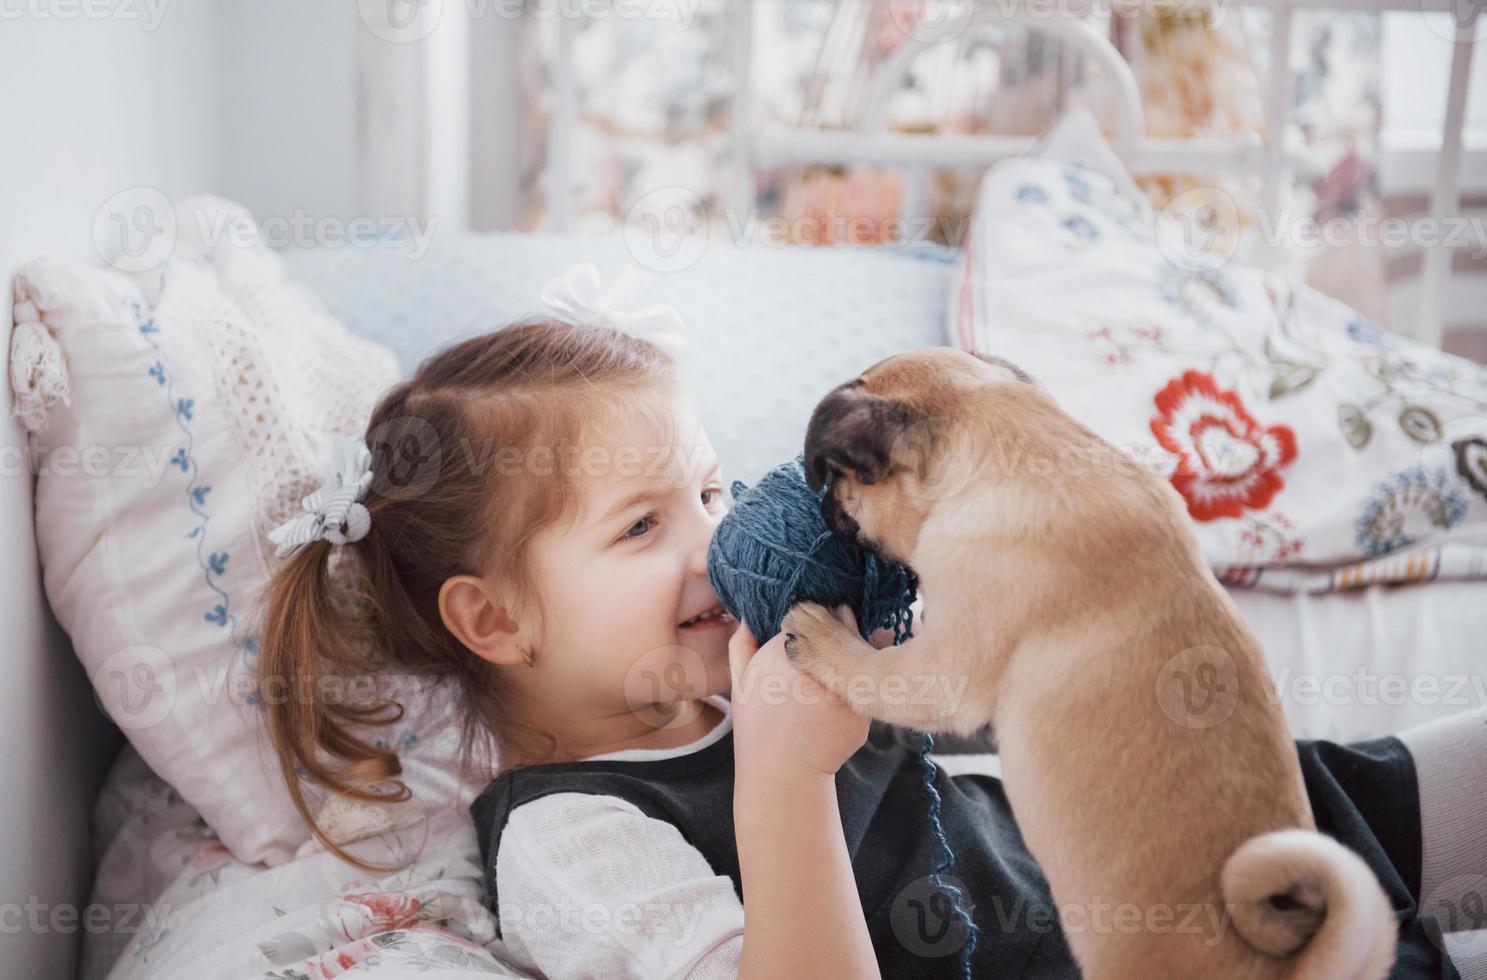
387	910
1226	461
335	962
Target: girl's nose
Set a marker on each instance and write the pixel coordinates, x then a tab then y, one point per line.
706	524
698	553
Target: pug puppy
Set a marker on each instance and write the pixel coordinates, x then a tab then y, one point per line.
1067	604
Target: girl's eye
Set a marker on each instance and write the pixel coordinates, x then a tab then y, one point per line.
643	526
643	522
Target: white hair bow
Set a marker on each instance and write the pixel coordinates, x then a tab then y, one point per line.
335	512
580	296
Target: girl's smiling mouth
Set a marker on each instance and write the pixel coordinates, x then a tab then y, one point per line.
710	618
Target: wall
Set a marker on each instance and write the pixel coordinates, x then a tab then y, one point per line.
92	107
287	97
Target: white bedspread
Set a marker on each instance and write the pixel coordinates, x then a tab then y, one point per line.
183	909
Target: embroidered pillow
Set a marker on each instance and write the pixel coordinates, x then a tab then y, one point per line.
176	416
1315	450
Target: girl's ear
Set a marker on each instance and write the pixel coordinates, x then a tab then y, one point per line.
474	610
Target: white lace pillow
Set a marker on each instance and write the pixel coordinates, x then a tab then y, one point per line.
175	418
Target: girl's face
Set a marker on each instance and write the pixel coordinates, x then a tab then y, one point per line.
623	586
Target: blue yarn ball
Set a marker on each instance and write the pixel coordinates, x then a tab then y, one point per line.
773	549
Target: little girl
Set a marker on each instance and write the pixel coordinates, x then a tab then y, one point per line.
532	522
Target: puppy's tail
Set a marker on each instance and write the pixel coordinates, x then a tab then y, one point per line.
1296	892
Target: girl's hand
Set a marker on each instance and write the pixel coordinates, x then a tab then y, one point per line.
785	723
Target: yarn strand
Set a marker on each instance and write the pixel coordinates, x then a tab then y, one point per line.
947	856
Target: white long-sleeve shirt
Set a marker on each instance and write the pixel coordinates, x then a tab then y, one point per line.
589	886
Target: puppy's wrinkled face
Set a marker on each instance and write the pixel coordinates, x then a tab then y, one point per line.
893	442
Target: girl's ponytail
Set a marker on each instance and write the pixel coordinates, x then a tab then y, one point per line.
305	629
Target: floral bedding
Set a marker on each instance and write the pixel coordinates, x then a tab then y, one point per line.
1315	451
182	908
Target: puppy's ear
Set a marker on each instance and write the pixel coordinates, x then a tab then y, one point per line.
852	431
1017	372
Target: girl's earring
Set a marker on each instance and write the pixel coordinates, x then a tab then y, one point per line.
526	655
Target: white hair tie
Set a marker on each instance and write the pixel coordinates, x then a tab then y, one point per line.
579	295
335	512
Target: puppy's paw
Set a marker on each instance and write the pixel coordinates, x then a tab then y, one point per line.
809	626
823	642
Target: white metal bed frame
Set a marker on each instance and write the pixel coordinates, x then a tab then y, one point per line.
771	145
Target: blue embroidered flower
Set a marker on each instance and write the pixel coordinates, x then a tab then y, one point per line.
1407	507
1365	332
1080	226
1078	187
1195	291
1032	193
212	563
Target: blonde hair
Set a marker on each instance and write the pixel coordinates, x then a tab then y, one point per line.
439	508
